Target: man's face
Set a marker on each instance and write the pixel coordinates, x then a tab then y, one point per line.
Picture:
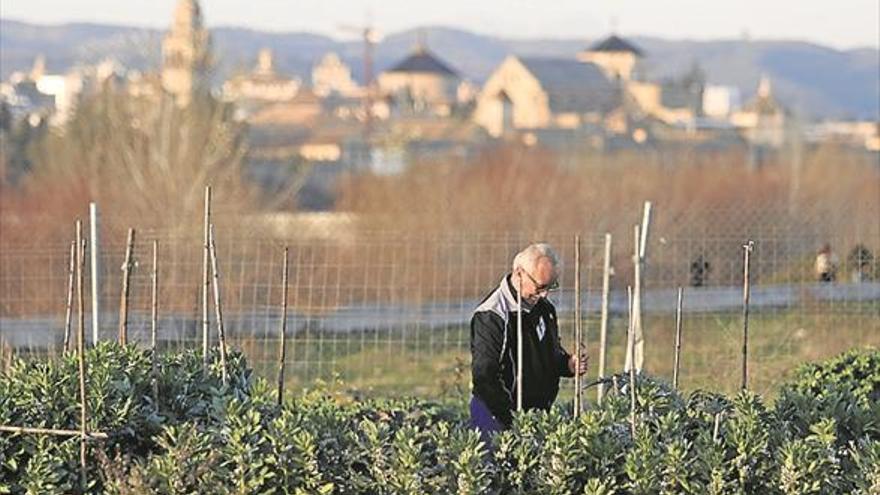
536	284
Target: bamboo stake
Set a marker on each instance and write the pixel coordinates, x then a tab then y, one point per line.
519	343
747	251
154	317
281	354
636	303
217	305
206	279
81	258
603	328
68	315
577	325
676	363
632	369
80	267
123	298
50	431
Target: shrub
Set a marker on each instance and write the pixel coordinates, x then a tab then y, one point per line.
201	436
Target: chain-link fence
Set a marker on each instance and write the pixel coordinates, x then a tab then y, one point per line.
388	313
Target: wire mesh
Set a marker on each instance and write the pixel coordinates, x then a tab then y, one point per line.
388	312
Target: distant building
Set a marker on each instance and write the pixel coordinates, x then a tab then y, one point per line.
186	53
303	109
332	76
858	134
22	99
720	101
675	101
540	93
421	84
763	119
617	57
63	89
684	94
55	97
264	84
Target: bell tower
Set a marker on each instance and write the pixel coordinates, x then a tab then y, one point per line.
185	53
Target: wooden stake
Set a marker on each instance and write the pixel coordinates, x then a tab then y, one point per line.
123	298
577	326
676	363
519	343
747	251
281	354
632	369
603	328
50	431
68	316
80	348
217	305
206	280
154	317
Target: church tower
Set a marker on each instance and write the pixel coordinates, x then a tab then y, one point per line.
185	53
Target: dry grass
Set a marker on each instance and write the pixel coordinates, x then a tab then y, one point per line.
526	190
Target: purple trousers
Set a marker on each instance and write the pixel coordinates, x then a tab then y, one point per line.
482	420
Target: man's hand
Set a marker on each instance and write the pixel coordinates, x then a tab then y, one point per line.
572	363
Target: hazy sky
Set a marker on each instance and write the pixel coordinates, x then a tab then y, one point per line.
839	23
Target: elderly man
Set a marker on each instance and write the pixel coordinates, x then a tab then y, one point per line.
494	343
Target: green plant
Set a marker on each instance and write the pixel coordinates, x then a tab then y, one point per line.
201	436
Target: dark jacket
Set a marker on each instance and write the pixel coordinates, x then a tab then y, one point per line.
494	353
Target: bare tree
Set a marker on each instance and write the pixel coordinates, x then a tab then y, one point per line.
147	157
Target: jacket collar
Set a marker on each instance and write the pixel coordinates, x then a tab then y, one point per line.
508	292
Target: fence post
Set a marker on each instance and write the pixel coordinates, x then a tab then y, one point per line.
677	361
603	326
123	298
748	247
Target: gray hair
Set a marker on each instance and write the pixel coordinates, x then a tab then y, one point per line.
528	258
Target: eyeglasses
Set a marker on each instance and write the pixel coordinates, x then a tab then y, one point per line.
552	286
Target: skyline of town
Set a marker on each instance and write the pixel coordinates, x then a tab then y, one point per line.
851	25
600	99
